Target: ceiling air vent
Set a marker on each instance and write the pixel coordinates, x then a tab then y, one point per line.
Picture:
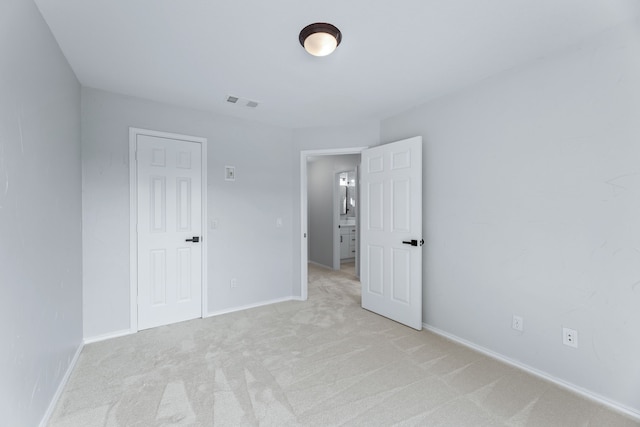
242	101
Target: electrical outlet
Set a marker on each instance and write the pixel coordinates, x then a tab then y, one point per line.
570	337
233	284
517	323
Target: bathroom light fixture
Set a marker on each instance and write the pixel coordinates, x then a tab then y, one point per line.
320	39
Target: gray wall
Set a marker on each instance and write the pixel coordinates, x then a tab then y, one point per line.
40	211
532	207
246	244
321	176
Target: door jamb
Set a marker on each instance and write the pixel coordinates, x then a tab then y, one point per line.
336	221
304	249
133	217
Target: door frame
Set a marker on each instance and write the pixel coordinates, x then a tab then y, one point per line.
133	217
336	220
304	200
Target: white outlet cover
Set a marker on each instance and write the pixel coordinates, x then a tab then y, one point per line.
517	323
570	337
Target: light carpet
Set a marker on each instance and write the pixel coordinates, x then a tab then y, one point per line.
323	362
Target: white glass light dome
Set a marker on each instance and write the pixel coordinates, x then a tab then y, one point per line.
320	39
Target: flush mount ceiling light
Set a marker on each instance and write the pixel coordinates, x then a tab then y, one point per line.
320	39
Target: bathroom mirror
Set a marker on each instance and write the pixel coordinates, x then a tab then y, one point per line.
348	193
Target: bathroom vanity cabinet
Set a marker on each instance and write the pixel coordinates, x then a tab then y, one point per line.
347	241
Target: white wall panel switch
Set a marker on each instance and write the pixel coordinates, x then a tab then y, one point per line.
229	173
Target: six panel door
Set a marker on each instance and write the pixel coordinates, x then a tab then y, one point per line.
169	201
391	231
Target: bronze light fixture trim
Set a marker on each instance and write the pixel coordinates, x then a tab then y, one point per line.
320	38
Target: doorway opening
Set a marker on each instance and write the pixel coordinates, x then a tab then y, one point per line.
345	250
391	239
325	252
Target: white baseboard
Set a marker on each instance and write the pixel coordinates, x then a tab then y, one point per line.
538	373
321	265
248	306
63	382
108	336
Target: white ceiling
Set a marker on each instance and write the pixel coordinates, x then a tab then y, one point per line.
394	54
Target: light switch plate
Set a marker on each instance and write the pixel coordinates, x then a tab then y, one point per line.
229	173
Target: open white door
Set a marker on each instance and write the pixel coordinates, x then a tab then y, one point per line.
391	231
169	218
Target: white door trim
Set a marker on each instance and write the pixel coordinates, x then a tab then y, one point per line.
133	217
336	221
304	249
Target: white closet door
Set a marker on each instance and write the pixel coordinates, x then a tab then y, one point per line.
169	230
